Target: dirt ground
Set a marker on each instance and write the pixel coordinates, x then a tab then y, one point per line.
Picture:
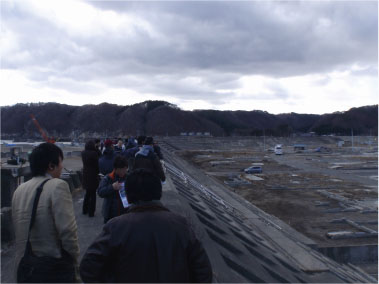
291	188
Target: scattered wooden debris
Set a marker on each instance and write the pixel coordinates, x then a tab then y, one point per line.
253	177
363	233
349	235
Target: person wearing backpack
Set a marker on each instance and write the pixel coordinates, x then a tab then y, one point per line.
147	159
130	154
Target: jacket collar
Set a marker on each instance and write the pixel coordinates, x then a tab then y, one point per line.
153	205
145	150
113	175
48	176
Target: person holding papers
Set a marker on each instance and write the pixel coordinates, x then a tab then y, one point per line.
112	189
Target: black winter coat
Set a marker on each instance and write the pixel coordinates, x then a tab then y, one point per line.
91	178
148	244
151	162
106	161
129	154
112	204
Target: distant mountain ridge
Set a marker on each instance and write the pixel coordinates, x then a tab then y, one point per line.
163	118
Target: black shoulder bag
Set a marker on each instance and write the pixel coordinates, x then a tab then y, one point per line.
44	269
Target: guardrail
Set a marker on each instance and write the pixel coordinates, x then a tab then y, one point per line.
204	190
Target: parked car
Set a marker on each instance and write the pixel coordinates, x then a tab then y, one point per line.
253	170
278	149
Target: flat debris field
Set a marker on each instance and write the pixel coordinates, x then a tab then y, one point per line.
326	195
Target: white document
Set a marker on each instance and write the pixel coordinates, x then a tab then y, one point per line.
123	196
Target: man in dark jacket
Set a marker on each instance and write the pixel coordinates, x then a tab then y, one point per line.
147	159
147	244
106	160
131	153
109	189
130	143
157	150
90	158
97	146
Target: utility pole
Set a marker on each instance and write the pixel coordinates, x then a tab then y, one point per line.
264	141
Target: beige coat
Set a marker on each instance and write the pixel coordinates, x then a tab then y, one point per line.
55	223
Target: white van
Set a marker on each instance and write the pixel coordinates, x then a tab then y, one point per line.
278	149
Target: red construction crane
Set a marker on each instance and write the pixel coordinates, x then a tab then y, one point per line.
45	137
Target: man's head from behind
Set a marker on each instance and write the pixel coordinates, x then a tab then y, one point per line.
90	145
141	140
108	143
46	158
143	185
149	141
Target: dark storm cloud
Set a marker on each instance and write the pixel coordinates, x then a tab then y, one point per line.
217	42
272	38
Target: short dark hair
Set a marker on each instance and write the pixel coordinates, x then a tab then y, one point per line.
42	156
120	162
97	140
142	184
149	141
141	139
90	145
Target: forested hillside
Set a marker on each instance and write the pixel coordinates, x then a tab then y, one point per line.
163	118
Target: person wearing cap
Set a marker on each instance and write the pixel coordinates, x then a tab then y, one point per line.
109	189
148	244
146	158
106	160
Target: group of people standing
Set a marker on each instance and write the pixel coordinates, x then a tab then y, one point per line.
113	162
143	242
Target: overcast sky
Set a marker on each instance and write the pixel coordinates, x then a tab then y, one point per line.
277	56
